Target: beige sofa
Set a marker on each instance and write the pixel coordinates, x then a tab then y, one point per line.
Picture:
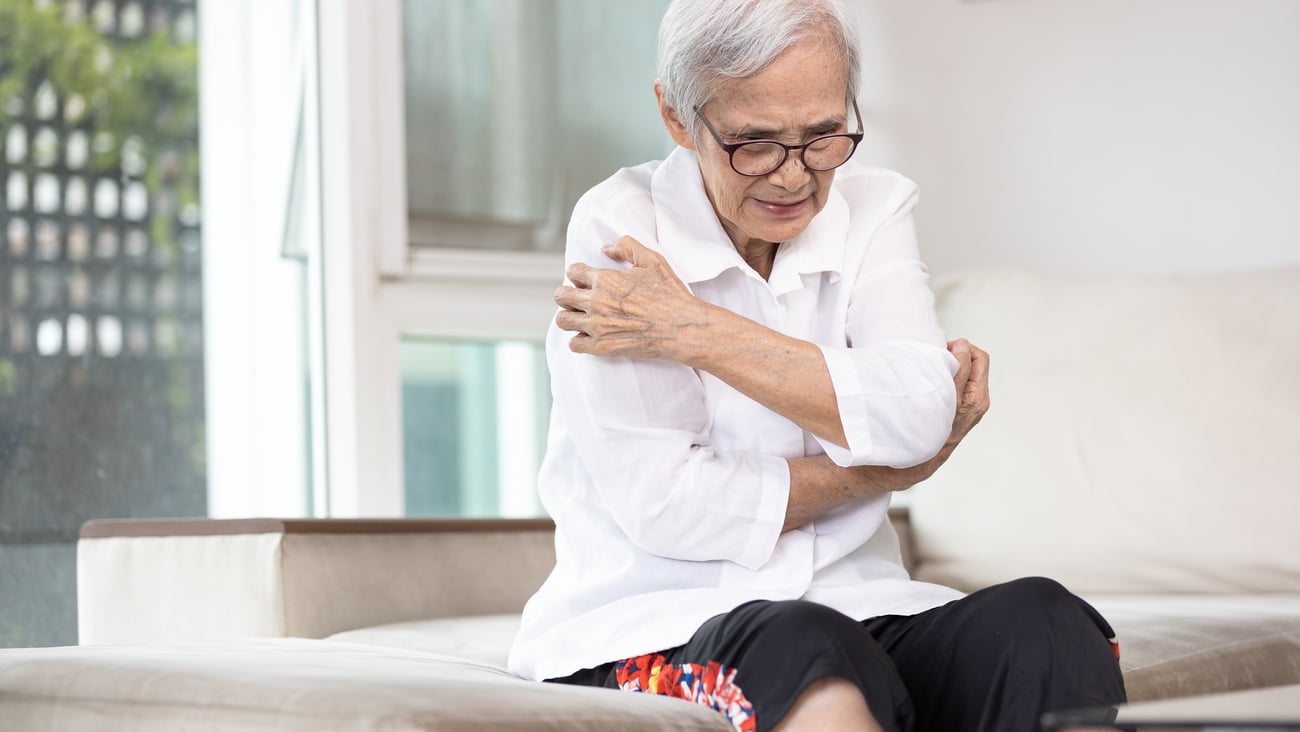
1142	449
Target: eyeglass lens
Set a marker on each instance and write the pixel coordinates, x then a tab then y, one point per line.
759	158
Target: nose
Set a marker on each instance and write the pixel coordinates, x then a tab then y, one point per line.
792	175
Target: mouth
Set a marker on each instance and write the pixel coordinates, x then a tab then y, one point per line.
782	208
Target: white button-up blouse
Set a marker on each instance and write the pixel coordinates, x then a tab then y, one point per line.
668	488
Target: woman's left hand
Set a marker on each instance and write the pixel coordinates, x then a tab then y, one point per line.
972	382
644	311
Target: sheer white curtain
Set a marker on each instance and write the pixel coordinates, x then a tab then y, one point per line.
515	107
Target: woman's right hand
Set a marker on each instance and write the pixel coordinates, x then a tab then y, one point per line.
644	311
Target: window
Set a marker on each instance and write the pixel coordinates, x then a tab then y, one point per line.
474	418
460	134
539	101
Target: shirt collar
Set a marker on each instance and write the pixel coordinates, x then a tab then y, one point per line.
698	248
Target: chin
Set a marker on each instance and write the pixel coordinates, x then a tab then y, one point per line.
784	231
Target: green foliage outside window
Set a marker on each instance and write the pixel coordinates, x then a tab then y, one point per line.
135	94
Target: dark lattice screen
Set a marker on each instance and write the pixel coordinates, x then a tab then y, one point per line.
101	340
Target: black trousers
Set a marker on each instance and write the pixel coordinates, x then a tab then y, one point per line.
994	661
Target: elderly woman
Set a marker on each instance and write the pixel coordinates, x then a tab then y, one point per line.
746	363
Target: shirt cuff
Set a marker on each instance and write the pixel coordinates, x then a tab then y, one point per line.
773	498
848	397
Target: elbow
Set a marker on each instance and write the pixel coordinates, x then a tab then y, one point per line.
937	431
930	431
896	406
681	513
657	529
932	413
650	521
912	432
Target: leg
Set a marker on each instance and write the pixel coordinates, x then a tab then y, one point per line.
1000	658
829	704
796	664
781	649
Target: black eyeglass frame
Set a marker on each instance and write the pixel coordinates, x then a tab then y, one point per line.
731	148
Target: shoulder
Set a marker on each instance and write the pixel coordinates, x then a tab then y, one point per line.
875	194
620	205
623	195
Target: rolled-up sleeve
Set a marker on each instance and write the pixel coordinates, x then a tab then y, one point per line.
893	381
641	430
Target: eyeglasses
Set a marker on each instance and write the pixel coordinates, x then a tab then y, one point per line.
754	158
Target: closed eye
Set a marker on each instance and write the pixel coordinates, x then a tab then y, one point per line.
829	128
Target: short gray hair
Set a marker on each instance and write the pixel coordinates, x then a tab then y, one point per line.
701	41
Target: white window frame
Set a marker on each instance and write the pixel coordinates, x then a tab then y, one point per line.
378	286
257	81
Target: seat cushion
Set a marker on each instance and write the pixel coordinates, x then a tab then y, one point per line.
1183	645
1173	645
301	684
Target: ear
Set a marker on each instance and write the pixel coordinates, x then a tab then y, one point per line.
680	132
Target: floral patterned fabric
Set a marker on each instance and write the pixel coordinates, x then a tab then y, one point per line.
712	685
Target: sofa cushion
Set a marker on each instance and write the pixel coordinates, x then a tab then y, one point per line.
1143	435
301	684
1185	645
484	639
1173	645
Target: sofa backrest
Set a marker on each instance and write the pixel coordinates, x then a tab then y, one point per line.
1144	435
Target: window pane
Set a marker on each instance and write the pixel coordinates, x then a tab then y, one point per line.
101	322
514	108
474	421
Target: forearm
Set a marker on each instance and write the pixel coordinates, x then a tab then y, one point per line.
818	485
784	374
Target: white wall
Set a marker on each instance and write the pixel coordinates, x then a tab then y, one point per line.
1136	136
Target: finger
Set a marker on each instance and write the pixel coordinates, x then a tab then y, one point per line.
960	350
628	249
591	345
573	321
977	388
582	275
572	298
580	343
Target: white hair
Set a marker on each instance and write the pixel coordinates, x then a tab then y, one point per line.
704	41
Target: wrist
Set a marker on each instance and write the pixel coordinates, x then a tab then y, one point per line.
697	338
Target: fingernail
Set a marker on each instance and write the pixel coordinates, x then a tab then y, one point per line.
961	347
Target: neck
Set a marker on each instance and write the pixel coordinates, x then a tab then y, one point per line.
760	255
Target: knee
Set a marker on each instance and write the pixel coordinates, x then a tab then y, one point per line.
1037	607
1042	630
777	624
792	617
1038	594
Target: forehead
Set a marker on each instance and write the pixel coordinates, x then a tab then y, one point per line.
802	87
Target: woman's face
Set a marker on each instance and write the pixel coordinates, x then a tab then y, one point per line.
800	95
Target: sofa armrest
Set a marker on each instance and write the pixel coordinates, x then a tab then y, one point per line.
141	580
